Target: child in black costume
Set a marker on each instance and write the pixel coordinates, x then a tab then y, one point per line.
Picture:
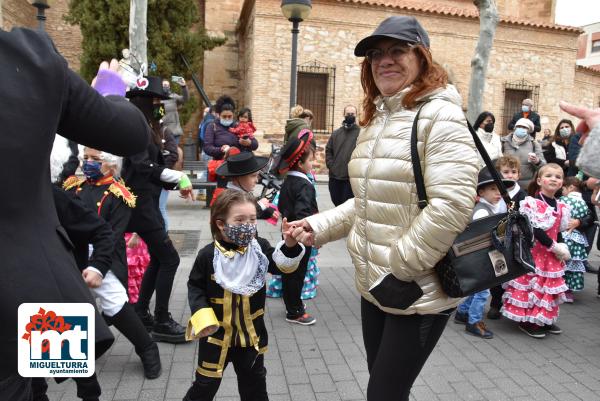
226	292
297	200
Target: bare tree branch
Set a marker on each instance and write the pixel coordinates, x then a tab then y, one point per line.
138	38
488	21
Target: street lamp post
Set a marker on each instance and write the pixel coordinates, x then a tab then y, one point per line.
41	6
295	11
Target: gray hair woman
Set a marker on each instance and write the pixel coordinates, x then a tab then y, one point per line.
394	244
522	145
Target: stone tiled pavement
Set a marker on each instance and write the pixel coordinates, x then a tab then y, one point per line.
327	361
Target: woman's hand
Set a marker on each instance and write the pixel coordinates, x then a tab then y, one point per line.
225	148
245	142
108	81
533	158
302	232
187	193
91	278
134	241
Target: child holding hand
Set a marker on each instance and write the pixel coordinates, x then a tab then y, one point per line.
226	293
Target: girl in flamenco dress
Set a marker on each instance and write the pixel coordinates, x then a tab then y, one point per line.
533	299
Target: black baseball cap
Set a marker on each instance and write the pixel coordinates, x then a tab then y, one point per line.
401	27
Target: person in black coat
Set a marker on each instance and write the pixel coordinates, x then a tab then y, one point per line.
526	112
42	97
147	174
339	148
297	200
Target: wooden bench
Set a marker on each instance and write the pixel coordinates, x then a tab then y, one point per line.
194	168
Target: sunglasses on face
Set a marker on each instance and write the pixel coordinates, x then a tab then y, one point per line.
396	52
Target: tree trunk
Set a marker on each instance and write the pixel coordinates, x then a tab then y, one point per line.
138	40
488	20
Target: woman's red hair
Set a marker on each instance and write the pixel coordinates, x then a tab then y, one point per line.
432	76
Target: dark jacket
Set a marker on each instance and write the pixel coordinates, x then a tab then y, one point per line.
297	198
169	148
572	154
42	97
339	148
113	202
293	127
533	117
84	227
550	154
217	135
248	329
142	173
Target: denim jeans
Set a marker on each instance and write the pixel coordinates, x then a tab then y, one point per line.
162	206
474	306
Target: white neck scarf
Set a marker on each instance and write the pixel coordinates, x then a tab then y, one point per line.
242	274
484	135
299	174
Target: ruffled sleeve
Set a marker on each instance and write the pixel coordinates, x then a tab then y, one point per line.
540	216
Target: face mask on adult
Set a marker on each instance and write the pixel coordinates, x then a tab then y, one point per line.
349	120
525	109
565	132
241	234
167	89
489	127
225	122
520	133
92	170
158	111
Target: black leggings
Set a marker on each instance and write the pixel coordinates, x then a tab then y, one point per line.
291	285
160	274
397	348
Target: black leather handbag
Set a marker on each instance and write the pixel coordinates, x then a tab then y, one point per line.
491	250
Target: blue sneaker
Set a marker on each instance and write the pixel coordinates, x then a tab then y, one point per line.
479	329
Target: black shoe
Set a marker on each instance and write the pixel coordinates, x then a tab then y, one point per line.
147	319
168	331
461	318
494	314
151	361
533	330
552	329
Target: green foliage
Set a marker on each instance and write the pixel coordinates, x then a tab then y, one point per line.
172	30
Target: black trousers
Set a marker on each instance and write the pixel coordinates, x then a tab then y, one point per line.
397	348
497	293
87	388
251	375
164	261
292	287
340	190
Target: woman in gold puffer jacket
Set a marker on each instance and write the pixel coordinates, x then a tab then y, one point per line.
388	236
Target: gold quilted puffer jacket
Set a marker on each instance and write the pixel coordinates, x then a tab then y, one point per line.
386	231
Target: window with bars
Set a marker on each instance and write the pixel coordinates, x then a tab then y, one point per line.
316	92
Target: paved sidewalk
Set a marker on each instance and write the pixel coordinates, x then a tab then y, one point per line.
327	361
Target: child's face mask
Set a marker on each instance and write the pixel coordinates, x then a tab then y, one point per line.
240	234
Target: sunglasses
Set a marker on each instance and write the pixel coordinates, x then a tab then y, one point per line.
396	52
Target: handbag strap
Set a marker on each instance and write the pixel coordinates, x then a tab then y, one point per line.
418	173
